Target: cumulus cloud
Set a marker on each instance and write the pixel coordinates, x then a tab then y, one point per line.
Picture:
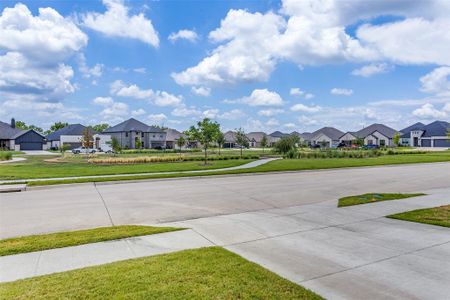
156	118
437	82
201	91
371	69
260	97
270	112
117	22
233	114
304	108
159	98
183	34
296	92
341	92
115	111
104	101
428	111
95	71
138	112
313	32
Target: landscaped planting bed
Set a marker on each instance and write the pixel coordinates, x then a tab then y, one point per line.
160	159
5	155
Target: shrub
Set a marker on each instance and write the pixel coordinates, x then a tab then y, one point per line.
5	155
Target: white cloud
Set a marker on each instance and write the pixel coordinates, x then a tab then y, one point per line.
371	69
104	101
341	92
428	111
183	111
201	91
309	96
289	125
95	71
296	92
156	119
183	34
305	108
138	112
210	113
437	82
159	98
272	122
140	70
233	114
115	111
270	112
262	97
116	22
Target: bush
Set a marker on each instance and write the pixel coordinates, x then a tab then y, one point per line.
162	159
285	145
5	155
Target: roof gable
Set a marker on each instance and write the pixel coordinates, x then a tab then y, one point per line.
383	129
72	129
132	125
7	132
437	128
330	132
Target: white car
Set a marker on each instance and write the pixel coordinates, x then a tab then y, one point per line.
83	150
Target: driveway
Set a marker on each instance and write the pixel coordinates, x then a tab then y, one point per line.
39	152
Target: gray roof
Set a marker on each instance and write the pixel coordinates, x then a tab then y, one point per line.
330	132
306	136
278	134
72	129
383	129
256	136
406	132
173	134
133	125
437	128
230	136
9	133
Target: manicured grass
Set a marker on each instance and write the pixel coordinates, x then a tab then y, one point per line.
435	216
40	242
373	197
206	273
37	167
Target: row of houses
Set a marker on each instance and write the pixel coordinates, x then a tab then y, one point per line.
133	133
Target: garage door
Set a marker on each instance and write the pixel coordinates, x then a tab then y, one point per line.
426	143
442	143
30	146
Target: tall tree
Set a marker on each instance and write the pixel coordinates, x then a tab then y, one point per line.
396	139
87	140
241	139
57	126
264	142
220	140
22	125
100	127
205	132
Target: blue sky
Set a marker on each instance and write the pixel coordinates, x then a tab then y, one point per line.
261	65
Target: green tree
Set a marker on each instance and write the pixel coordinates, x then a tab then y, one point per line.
264	142
138	143
63	148
359	142
115	145
87	139
205	133
285	145
22	125
220	140
181	142
241	139
100	127
57	126
396	139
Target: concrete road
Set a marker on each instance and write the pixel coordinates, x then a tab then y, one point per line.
88	205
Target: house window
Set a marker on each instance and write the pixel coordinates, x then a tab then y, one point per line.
369	142
142	134
126	134
154	135
382	143
160	136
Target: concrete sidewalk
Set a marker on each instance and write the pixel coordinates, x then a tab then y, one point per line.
26	265
244	166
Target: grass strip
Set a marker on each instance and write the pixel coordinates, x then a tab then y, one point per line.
373	197
439	216
206	273
41	242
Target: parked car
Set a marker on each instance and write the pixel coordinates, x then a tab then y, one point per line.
106	149
83	150
315	146
368	147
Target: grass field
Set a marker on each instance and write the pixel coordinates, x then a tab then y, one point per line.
435	216
36	167
41	242
286	165
373	197
206	273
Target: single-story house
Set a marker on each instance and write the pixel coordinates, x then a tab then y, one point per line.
327	137
431	135
172	136
375	134
16	139
71	136
255	139
130	132
405	138
230	139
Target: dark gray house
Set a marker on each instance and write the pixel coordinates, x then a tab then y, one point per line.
326	137
405	138
16	139
71	135
431	135
132	131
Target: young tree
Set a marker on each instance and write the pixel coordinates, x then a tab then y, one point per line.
285	145
220	140
181	142
264	142
359	142
115	145
100	127
396	139
205	132
241	139
138	143
87	139
63	149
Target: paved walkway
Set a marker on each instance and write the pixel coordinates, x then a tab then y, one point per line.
14	159
26	265
244	166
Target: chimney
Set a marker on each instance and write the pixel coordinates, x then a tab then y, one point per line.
13	123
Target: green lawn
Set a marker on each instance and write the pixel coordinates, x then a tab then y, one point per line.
73	238
373	197
206	273
435	216
36	167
